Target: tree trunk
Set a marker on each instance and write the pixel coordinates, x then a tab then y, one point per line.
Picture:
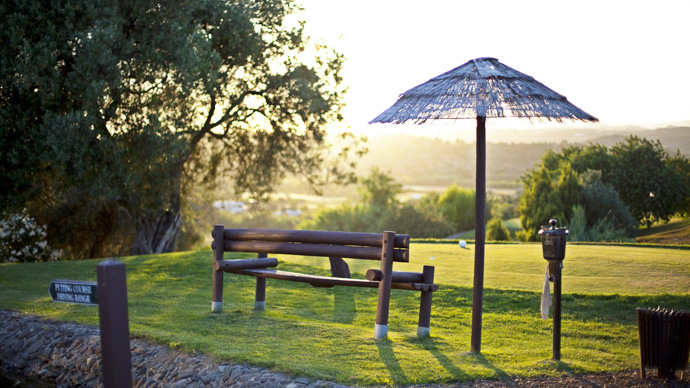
159	234
156	235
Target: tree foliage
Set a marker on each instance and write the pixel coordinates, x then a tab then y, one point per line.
496	230
548	193
648	180
609	191
602	203
379	189
457	205
380	210
109	109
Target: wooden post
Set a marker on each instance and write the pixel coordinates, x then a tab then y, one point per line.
116	356
339	267
424	328
480	222
218	249
381	327
557	312
260	298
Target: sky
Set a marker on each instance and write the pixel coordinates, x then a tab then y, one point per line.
624	62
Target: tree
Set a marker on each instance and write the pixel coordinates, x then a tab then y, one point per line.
380	189
631	183
648	180
680	166
381	210
109	110
602	202
458	207
548	193
496	230
581	158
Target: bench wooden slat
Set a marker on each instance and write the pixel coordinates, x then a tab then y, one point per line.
314	237
230	265
367	253
304	278
398	276
327	281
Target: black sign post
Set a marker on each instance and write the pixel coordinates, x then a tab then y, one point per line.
74	291
114	319
110	295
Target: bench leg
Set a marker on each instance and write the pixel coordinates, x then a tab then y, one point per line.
260	300
217	301
383	306
339	267
424	328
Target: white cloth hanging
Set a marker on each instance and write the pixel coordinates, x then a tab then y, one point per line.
546	296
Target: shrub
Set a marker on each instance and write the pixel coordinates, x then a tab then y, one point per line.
496	230
525	236
23	240
577	230
602	230
601	201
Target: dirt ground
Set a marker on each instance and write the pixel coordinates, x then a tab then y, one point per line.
603	380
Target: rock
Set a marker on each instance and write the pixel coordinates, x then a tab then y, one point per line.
67	355
35	347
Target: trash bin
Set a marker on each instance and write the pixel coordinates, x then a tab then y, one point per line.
664	341
553	241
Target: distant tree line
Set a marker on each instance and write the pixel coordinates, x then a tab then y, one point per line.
378	208
604	194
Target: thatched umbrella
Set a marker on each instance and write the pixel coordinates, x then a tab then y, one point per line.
480	88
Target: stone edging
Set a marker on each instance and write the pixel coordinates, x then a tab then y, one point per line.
68	355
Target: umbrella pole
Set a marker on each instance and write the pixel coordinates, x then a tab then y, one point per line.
479	237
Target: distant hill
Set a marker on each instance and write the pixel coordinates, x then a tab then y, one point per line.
673	138
422	161
423	164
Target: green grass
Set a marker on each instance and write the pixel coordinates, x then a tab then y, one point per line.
328	333
677	231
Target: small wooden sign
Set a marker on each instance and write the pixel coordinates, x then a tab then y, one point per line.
74	291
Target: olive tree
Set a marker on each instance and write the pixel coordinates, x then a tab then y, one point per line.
110	109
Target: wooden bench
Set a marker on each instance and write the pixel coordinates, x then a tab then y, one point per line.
385	247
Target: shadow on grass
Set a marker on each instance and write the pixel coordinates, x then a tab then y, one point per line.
429	344
498	372
614	308
550	365
391	361
344	307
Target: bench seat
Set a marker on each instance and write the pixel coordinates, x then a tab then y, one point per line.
328	281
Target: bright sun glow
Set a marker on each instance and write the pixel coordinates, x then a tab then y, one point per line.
624	62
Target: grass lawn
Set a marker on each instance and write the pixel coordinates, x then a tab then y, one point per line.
677	231
328	333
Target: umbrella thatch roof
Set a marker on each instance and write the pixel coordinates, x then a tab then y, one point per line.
480	87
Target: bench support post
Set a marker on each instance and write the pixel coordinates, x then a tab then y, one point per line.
424	328
339	267
382	309
218	248
260	299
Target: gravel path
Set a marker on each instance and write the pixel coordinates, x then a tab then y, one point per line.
56	354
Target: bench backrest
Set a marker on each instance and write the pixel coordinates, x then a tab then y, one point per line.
353	245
